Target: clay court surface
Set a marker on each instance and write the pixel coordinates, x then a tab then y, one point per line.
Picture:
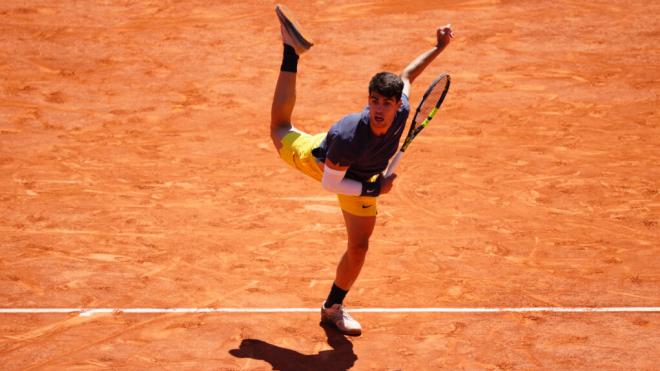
136	171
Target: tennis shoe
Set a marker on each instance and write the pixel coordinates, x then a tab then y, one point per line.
292	34
337	316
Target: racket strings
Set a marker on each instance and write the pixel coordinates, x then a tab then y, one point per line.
433	98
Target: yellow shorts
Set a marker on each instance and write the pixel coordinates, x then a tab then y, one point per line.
297	151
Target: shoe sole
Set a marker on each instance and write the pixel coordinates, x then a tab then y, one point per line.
292	27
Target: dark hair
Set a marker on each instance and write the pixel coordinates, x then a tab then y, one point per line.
386	84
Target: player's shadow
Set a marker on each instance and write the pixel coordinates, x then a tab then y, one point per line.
341	357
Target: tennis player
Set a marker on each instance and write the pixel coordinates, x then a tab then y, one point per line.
350	158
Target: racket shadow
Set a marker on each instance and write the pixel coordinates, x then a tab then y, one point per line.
341	357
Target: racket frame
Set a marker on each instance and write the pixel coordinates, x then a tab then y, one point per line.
416	129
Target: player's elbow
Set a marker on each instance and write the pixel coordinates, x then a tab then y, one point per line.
328	184
333	181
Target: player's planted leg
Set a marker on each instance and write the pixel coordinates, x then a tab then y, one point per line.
359	230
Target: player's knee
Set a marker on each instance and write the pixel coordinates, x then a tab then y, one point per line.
358	248
278	132
279	125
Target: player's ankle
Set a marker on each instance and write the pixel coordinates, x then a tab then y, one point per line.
289	59
336	296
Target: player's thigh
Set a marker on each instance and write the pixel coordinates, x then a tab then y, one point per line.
359	228
297	150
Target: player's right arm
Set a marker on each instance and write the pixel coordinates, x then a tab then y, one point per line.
444	35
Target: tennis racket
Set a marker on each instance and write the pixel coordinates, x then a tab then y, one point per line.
426	110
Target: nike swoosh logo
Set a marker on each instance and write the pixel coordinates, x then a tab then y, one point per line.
366	206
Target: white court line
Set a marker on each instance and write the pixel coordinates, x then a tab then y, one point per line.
92	311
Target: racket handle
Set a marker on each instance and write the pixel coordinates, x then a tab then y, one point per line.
393	164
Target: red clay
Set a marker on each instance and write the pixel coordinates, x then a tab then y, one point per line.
136	170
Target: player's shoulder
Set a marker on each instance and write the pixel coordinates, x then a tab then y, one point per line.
351	120
345	128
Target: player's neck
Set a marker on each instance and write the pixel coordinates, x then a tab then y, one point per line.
378	130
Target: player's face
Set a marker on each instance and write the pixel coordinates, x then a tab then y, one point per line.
382	111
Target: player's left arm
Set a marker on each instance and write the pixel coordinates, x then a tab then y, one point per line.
444	35
334	180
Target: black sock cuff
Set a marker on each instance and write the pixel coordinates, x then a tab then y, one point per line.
289	59
336	296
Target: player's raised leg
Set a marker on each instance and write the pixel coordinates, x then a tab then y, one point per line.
295	43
